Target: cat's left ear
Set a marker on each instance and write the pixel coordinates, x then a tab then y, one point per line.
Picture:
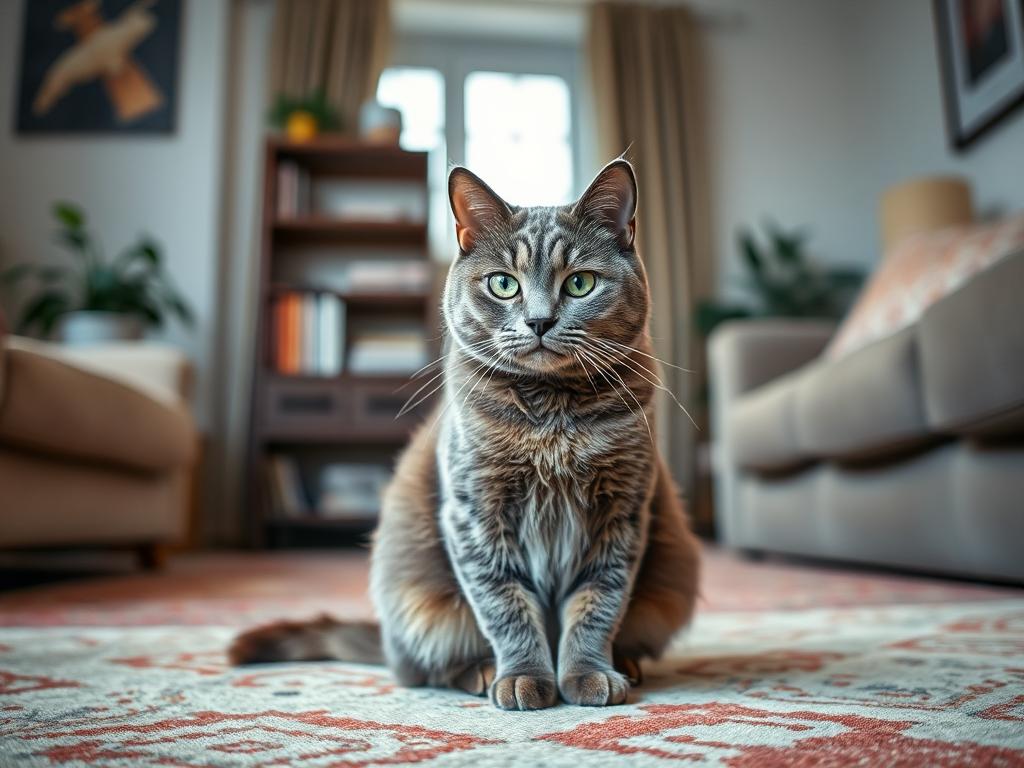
476	206
611	201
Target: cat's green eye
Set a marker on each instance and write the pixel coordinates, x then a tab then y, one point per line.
503	285
580	284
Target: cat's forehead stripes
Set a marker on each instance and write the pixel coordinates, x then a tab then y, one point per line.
522	260
540	241
558	255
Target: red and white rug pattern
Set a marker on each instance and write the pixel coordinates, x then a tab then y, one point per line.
892	685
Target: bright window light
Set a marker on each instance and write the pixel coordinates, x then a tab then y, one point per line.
418	93
518	136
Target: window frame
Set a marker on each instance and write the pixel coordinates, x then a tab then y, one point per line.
456	57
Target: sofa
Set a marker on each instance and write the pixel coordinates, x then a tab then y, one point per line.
907	452
95	446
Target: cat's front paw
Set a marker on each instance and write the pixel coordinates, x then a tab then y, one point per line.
594	688
524	692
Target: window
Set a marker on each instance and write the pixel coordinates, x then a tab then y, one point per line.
418	93
505	110
518	136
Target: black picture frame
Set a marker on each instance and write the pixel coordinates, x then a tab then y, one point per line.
963	76
58	96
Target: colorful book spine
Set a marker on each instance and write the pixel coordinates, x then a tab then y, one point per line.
331	334
308	334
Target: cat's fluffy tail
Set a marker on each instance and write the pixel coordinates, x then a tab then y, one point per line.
317	640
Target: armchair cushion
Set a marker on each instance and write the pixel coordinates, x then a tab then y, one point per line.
55	408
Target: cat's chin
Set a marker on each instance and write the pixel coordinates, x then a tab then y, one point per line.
543	359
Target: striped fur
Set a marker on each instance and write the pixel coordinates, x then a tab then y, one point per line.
532	543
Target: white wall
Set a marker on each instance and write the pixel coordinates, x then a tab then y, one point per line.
815	106
167	186
903	119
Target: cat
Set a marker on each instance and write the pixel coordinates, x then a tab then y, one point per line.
531	544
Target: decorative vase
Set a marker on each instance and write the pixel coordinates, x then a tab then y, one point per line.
89	327
379	124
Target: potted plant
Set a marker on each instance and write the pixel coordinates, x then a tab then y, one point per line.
783	281
303	118
95	298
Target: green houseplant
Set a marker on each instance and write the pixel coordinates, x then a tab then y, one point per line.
303	118
781	280
94	296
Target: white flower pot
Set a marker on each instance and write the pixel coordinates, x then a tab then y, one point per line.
87	327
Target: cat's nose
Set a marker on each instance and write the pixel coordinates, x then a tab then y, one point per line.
542	325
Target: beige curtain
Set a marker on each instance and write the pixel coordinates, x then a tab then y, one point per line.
337	46
646	89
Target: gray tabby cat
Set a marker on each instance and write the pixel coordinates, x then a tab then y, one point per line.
531	543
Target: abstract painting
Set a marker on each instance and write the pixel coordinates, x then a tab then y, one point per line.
99	66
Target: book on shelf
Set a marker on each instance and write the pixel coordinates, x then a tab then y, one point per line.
387	348
287	493
330	333
365	200
308	334
351	490
385	276
294	190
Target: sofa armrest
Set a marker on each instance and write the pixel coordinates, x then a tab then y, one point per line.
58	409
161	371
745	354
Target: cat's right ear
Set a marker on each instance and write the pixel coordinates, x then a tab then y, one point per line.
475	205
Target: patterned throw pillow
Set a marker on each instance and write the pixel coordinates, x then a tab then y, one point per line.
917	273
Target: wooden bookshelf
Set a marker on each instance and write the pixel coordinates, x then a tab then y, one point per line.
310	416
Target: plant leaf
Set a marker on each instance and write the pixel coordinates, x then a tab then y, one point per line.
710	314
76	240
44	310
69	214
751	253
17	273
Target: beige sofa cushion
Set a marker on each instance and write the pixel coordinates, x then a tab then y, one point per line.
159	370
864	405
761	426
972	354
52	502
55	408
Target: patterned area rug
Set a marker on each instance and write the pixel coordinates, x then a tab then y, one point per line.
785	665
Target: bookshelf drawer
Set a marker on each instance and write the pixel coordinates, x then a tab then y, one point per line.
375	406
305	408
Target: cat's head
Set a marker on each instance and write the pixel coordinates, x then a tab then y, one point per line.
538	289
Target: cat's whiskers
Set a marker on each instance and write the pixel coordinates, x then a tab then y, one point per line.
469	379
491	368
646	354
480	348
584	367
588	352
623	359
421	372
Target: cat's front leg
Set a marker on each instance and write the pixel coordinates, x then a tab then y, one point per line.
590	616
493	577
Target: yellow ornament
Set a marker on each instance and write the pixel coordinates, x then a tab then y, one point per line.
301	126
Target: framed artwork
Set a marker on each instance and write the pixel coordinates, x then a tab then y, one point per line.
981	52
99	66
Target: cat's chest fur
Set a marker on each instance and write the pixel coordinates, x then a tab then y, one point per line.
536	476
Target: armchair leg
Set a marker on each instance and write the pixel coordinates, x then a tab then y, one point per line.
152	556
